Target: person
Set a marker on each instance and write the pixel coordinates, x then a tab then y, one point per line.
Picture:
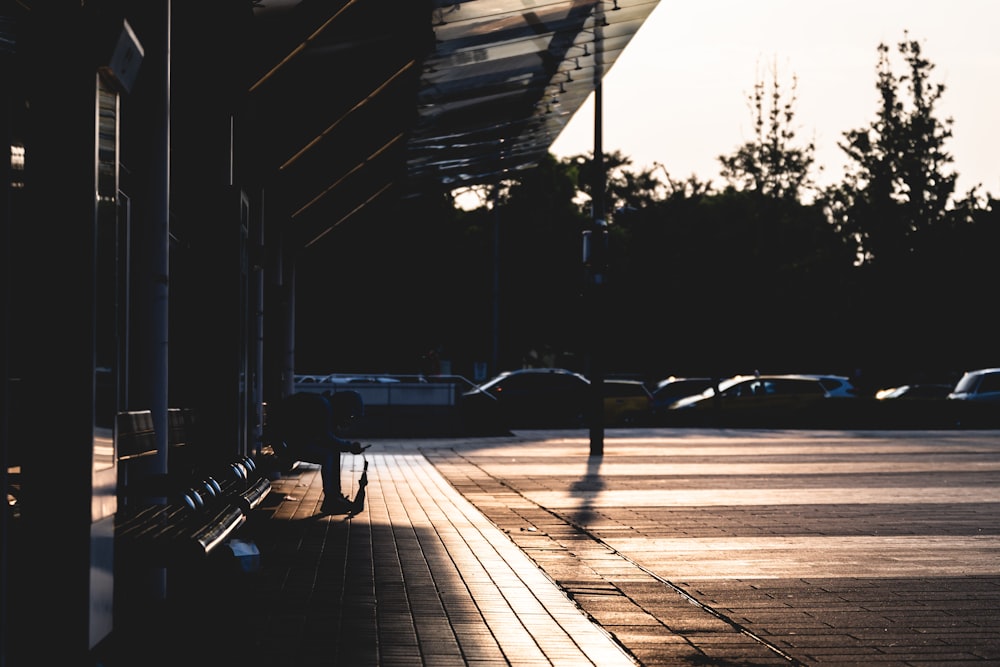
308	423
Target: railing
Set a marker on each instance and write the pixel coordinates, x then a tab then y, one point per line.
391	390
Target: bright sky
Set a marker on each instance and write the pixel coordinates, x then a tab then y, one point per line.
678	93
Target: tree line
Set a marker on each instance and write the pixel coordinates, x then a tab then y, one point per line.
883	276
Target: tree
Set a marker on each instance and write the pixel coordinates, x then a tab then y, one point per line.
912	237
775	232
623	187
899	186
770	164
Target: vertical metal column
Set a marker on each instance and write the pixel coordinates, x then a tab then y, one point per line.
495	295
597	287
5	221
160	238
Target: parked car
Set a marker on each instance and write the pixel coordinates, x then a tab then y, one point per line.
979	385
836	386
914	391
671	389
764	399
527	398
626	402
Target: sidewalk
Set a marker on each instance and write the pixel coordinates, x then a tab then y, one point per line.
418	577
678	548
426	579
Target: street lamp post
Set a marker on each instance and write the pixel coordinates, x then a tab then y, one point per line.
596	258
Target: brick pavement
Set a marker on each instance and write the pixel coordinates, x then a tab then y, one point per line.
419	577
819	547
671	549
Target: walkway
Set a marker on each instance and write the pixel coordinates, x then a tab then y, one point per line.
674	548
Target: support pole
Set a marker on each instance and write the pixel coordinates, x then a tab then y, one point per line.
598	233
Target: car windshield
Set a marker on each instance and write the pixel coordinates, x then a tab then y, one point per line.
489	383
726	384
723	386
534	380
967	383
832	384
681	388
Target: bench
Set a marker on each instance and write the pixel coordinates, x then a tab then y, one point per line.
239	478
242	481
182	516
185	530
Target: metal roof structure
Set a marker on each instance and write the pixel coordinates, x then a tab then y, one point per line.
356	98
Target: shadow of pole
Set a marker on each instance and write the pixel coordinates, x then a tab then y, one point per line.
586	489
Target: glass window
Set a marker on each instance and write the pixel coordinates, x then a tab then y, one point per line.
990	382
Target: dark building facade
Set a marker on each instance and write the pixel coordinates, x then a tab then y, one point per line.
170	162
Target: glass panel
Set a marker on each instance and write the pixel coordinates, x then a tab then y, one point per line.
506	76
107	279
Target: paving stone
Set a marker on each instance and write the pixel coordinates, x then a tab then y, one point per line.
675	548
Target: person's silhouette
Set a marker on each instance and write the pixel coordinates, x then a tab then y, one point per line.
307	423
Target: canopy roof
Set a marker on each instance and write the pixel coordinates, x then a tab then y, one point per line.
357	98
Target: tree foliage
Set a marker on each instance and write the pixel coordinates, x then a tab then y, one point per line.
898	185
707	280
771	164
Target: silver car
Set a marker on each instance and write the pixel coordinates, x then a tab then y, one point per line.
978	385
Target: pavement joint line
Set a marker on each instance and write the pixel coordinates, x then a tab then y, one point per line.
679	590
838	582
500	568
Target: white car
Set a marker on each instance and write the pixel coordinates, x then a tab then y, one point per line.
978	385
786	391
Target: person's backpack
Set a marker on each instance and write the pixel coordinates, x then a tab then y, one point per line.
294	421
